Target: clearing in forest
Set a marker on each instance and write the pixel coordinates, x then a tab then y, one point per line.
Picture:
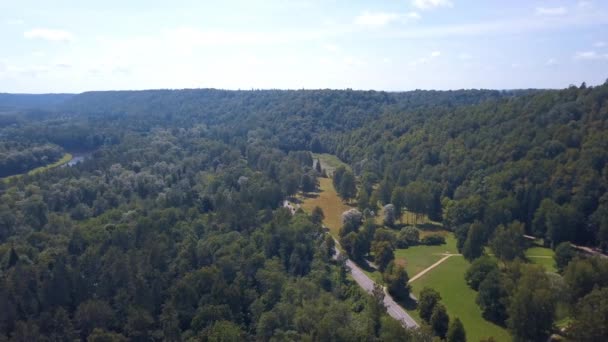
447	277
328	200
459	299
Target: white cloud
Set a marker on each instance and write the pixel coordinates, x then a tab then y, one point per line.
552	11
411	16
464	56
424	60
49	34
431	4
15	22
551	62
599	44
584	4
590	55
380	19
353	61
332	47
376	19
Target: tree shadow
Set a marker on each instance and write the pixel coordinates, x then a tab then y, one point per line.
310	195
430	226
409	303
364	265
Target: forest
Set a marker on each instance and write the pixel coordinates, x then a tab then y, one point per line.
173	230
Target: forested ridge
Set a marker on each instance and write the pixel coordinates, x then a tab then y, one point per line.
173	229
538	158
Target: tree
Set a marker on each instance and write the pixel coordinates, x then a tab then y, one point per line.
473	246
427	301
478	271
318	167
418	198
392	330
561	222
330	246
352	244
13	258
599	221
383	254
396	280
376	306
351	221
58	327
582	275
398	201
590	321
93	314
389	215
408	236
532	306
440	320
456	332
225	331
308	183
102	335
492	297
363	199
337	177
348	186
170	323
317	216
508	242
564	253
139	324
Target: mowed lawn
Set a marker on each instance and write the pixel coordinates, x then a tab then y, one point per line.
459	299
328	200
418	258
542	256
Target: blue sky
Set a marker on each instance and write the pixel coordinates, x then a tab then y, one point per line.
74	46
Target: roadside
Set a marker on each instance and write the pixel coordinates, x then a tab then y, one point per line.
392	308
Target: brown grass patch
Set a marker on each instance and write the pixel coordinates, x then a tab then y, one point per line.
330	202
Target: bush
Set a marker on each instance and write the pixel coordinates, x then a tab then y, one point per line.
433	240
408	236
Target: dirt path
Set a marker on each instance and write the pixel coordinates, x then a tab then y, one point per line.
423	272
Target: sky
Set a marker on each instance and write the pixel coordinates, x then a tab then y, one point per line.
75	46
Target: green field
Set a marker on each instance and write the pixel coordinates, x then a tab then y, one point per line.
542	256
417	258
459	299
66	158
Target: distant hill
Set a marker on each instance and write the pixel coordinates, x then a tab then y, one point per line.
32	101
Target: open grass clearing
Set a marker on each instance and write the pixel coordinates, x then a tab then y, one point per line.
448	279
417	258
329	162
328	200
542	256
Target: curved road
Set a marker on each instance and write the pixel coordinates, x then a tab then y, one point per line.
392	308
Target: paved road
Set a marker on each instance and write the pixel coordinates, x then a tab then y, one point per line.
392	308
